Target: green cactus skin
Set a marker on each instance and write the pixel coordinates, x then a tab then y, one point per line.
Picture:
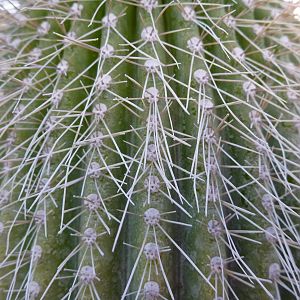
149	150
147	236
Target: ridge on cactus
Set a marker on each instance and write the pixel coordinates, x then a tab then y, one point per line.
149	149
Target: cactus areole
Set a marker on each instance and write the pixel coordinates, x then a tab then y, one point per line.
149	149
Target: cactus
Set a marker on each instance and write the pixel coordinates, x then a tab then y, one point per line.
150	150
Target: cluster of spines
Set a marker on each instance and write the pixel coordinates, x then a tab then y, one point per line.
135	122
